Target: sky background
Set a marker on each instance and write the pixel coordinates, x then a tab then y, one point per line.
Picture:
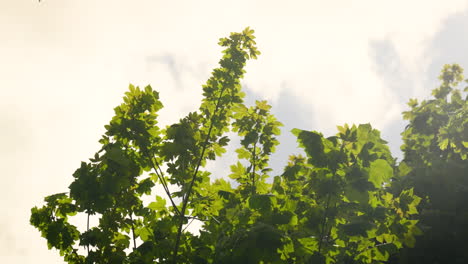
65	64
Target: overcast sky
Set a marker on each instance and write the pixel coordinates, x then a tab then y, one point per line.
65	64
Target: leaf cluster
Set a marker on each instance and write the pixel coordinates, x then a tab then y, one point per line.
332	206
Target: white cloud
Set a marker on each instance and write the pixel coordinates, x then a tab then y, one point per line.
66	63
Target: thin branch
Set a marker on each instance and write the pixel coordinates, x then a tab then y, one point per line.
87	229
187	196
188	224
196	218
369	248
253	168
324	222
194	177
133	232
160	175
202	220
216	220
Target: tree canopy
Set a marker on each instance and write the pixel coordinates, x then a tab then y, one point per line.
345	201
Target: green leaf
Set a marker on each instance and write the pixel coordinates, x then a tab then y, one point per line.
358	228
116	154
263	105
261	202
144	233
226	195
313	145
122	241
159	205
356	195
309	243
388	249
379	172
238	171
444	144
404	169
283	217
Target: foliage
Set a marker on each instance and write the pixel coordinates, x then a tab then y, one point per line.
332	206
435	164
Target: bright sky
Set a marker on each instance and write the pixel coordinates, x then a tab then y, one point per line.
65	65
